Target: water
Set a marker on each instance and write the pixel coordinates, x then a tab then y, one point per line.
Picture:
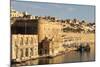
73	56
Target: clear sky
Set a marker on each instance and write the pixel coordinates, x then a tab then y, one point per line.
61	11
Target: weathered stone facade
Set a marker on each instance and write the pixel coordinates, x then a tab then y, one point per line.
24	47
51	32
47	41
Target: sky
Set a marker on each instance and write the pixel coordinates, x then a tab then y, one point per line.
60	11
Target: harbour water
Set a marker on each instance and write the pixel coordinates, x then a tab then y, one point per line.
70	57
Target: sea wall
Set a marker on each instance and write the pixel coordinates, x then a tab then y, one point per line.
78	37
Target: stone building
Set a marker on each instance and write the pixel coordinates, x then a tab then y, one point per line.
24	47
15	13
24	40
39	36
50	33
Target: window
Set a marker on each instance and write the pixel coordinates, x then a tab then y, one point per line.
26	42
31	41
26	52
21	53
21	41
31	52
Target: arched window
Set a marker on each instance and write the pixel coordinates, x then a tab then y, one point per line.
26	52
31	53
26	42
21	41
31	40
21	50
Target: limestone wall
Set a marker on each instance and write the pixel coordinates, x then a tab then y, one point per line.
24	47
79	37
51	30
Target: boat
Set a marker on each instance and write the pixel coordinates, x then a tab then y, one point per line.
83	48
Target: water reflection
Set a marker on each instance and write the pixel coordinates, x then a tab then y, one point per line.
73	56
